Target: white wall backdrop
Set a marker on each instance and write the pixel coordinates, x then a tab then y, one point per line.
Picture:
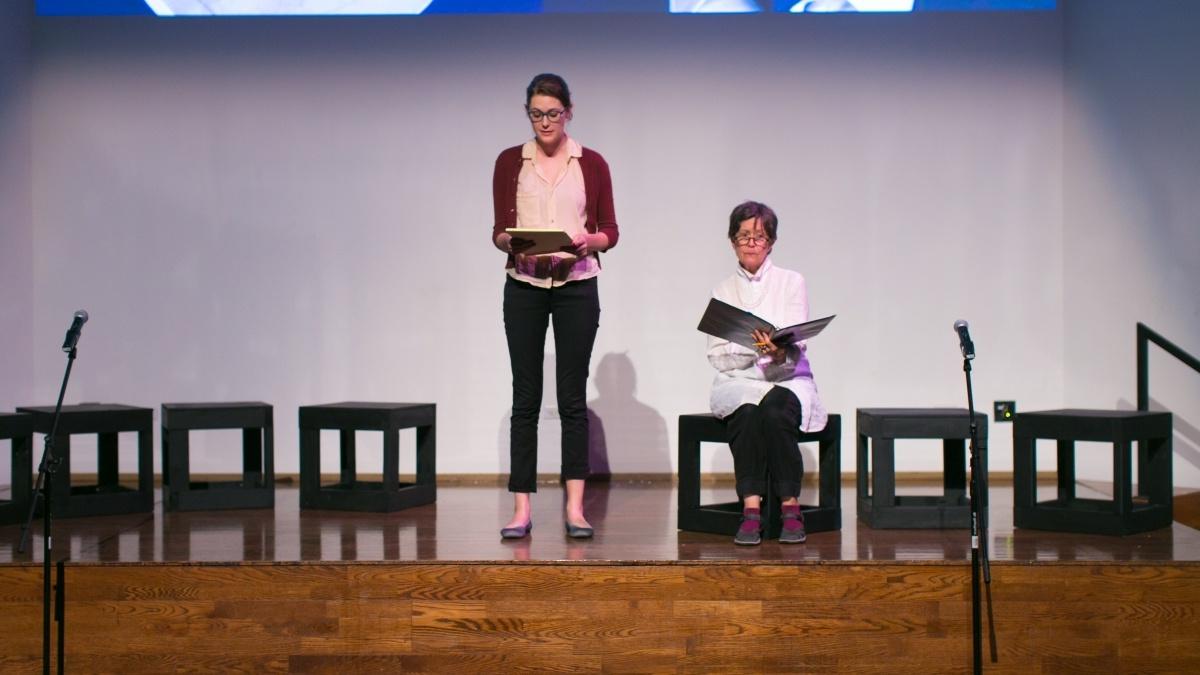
1132	223
16	213
299	212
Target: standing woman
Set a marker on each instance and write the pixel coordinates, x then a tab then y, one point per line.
551	182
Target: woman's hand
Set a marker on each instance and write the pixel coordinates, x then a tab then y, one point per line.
762	340
579	245
583	244
510	244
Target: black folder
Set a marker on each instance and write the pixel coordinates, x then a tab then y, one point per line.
723	320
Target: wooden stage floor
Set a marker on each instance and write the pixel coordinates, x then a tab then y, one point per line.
634	522
434	589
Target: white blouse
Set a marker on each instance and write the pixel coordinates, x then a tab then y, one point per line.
781	297
558	202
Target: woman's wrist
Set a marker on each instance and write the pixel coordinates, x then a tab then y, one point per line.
503	241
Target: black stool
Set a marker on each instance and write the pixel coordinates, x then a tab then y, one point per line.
351	494
1122	514
878	429
107	497
724	518
256	490
18	428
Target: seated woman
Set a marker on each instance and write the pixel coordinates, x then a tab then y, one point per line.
767	397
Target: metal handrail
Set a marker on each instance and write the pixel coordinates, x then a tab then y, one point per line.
1144	337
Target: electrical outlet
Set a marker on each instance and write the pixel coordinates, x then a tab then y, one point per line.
1004	411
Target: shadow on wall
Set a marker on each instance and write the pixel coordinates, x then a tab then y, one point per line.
624	434
1186	443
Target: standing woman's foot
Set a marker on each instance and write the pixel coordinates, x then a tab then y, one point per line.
578	527
522	520
519	531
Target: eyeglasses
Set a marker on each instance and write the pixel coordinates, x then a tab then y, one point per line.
536	115
745	239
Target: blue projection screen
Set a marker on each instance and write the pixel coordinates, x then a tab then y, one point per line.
184	8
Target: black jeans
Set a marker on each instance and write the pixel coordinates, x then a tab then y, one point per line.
575	309
764	439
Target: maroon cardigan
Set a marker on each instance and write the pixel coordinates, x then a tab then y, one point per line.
597	187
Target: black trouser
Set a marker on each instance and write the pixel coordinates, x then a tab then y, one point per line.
575	308
764	439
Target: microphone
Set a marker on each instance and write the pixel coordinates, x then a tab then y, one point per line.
73	332
964	339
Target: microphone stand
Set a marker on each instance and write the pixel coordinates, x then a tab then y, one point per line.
45	488
979	545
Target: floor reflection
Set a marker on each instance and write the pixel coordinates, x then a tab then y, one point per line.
633	521
332	535
902	544
123	538
219	536
1034	545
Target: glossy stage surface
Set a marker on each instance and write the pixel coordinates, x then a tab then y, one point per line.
634	522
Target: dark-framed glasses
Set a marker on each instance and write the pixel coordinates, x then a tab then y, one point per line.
747	239
536	115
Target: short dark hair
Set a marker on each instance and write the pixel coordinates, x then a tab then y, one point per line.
548	84
762	212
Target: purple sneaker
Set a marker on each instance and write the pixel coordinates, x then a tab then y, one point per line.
792	531
750	531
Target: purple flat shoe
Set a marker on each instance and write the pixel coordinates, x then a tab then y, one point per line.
516	532
577	532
